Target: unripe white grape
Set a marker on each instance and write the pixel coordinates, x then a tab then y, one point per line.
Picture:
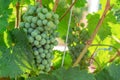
48	15
34	33
38	10
29	19
42	55
45	22
22	24
44	10
36	42
39	23
34	19
48	55
36	53
40	50
41	16
38	37
43	41
33	25
30	39
44	62
27	25
41	67
56	16
30	30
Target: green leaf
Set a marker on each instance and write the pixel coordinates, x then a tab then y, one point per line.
80	3
4	14
110	72
72	74
43	77
17	59
8	65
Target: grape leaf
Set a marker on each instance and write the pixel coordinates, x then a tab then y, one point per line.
80	3
17	59
4	14
72	74
110	72
43	77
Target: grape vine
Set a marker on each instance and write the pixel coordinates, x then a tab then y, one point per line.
40	25
76	42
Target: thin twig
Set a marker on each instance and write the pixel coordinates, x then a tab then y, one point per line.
17	14
55	5
107	8
118	52
67	10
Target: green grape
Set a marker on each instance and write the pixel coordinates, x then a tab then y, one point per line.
34	33
37	4
47	69
52	39
56	22
38	46
34	19
27	25
48	55
43	35
48	15
50	24
41	67
30	39
38	10
47	46
40	50
45	22
44	10
25	30
39	23
33	25
30	12
56	43
40	29
56	16
47	28
29	18
47	41
41	16
36	42
38	37
24	17
39	59
30	30
42	55
46	51
44	62
49	60
43	41
47	66
22	24
36	53
51	46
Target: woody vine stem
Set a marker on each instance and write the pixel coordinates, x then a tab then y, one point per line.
89	42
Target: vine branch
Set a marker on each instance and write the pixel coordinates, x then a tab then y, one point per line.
67	10
113	58
55	5
107	8
17	14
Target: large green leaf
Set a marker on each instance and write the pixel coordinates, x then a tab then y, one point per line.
17	59
72	74
4	14
111	72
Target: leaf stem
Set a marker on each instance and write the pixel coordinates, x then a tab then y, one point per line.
55	5
107	8
67	10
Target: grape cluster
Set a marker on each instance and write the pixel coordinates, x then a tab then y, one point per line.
117	14
76	42
40	25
